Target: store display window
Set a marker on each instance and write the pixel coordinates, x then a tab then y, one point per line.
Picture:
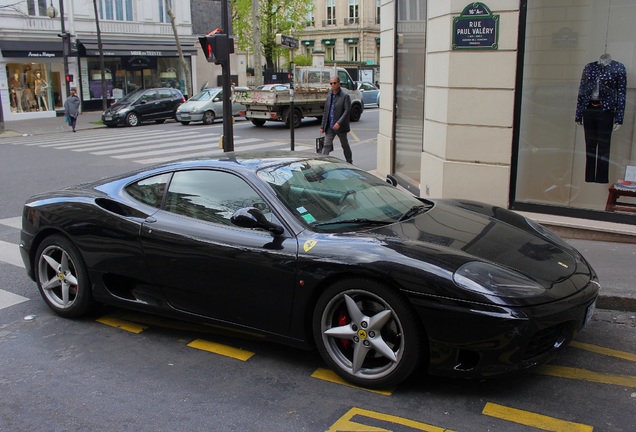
577	135
30	87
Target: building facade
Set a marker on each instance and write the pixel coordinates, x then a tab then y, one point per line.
523	104
138	46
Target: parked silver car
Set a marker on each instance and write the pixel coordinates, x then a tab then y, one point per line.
206	106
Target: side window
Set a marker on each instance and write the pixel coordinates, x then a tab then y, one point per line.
211	196
150	96
149	191
344	80
165	94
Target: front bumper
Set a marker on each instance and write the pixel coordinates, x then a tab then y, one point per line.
189	116
113	119
485	340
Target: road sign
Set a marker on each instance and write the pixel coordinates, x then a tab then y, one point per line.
286	41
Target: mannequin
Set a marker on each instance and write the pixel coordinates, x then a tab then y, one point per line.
17	88
40	86
600	110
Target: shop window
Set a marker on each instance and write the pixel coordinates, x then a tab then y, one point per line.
30	88
576	135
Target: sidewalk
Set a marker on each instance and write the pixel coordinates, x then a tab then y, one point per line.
609	247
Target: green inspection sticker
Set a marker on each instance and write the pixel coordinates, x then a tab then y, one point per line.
308	218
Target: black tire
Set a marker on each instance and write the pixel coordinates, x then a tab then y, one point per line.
132	119
298	119
208	117
258	122
185	123
368	354
160	121
62	277
356	113
111	125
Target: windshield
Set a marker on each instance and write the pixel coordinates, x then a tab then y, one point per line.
336	196
204	95
131	97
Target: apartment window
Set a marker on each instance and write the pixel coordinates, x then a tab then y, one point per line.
331	12
353	12
352	52
330	53
37	7
311	21
377	11
163	12
118	10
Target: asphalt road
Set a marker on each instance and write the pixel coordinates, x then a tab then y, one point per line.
132	372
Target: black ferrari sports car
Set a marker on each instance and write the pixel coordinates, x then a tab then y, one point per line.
314	252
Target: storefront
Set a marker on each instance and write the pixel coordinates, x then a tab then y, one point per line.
542	121
30	77
129	65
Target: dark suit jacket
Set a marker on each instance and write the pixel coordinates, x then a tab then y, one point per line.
342	109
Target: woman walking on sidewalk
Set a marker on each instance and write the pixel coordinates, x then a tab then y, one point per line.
71	108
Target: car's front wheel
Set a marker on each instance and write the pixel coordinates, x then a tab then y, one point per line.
356	113
62	277
258	122
185	123
368	333
208	117
132	119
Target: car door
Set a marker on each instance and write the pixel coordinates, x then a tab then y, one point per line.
167	104
147	105
208	266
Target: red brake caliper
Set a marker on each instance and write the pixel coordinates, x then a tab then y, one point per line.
343	319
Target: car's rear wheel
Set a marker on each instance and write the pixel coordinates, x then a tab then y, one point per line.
132	119
185	123
208	117
62	277
258	122
368	333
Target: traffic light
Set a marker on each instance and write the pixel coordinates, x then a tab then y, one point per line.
217	47
69	78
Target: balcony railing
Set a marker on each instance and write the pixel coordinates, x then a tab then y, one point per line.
349	21
329	22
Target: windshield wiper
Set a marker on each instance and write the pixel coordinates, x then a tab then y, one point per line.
413	211
355	221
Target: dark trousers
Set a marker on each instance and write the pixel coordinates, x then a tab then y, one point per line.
330	134
72	121
598	126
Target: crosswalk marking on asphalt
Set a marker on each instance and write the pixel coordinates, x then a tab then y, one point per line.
149	146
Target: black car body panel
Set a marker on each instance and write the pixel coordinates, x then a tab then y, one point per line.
149	258
154	104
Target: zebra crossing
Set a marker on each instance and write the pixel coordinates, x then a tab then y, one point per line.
146	146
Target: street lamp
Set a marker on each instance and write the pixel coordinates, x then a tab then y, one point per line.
51	12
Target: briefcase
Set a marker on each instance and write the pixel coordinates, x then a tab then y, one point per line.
320	143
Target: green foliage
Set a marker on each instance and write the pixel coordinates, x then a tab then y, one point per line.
276	16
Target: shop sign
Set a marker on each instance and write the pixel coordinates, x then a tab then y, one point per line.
140	62
476	28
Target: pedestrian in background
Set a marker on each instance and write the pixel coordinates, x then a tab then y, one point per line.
335	119
71	108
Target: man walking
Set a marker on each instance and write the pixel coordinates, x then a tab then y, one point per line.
335	119
71	108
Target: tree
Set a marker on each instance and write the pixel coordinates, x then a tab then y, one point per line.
184	64
276	16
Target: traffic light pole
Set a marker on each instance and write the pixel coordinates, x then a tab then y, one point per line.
65	48
228	130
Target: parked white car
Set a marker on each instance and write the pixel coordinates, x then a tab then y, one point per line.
206	106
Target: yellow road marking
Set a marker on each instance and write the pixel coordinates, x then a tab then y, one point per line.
121	324
345	423
586	375
220	349
605	351
534	420
353	134
331	376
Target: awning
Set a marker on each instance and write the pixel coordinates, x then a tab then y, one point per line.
351	40
329	41
134	48
31	49
308	43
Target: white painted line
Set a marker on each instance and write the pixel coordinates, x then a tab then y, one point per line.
14	222
10	253
9	299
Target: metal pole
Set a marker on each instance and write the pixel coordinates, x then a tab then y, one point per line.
292	114
65	48
228	131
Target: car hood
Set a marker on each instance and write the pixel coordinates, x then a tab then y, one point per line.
449	236
190	105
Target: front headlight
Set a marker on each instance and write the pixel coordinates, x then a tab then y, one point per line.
195	109
488	279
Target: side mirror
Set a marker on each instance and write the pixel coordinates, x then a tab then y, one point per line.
391	180
251	217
